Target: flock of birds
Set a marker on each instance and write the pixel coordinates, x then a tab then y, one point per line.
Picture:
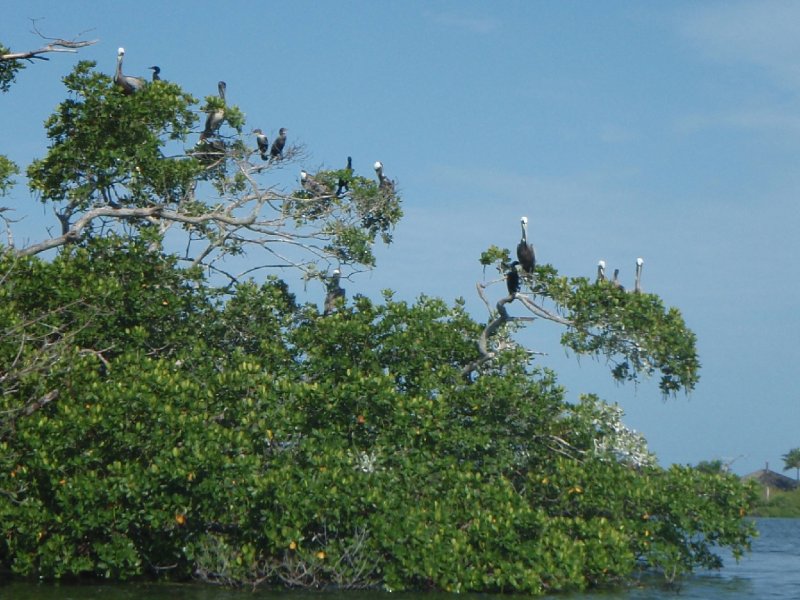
130	84
526	262
335	292
526	256
316	188
637	285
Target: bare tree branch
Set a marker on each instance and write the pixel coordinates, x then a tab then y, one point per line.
55	45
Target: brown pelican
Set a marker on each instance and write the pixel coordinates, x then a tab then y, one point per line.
128	83
263	143
512	278
335	291
601	270
216	116
277	146
384	183
312	186
525	253
637	286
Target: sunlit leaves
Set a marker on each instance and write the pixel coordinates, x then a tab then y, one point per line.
7	171
8	70
109	148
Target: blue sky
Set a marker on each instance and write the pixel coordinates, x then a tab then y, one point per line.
669	131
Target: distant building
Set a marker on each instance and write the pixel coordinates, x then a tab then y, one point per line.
772	481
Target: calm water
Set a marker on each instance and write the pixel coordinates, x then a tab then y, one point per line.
772	570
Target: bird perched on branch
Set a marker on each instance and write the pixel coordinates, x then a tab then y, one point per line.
525	252
263	144
156	72
215	117
512	278
276	152
637	286
344	183
335	291
384	183
128	83
615	281
601	270
312	186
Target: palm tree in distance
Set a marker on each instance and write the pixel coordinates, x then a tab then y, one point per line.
791	460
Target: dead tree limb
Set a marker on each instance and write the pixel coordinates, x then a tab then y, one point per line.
54	45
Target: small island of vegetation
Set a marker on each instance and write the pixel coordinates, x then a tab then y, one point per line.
160	417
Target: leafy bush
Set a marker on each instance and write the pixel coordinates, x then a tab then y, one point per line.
149	427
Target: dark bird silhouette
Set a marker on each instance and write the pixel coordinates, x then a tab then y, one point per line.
215	117
344	182
512	278
601	270
525	252
335	291
384	183
263	144
615	282
276	151
637	286
312	186
128	83
156	72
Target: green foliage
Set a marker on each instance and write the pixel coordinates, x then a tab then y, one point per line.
120	163
8	70
249	438
152	425
780	504
634	332
352	221
791	460
7	170
108	148
715	466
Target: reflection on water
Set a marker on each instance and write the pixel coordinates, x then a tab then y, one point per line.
772	570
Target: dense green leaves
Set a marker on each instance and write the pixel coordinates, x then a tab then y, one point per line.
7	171
152	424
8	70
249	438
108	148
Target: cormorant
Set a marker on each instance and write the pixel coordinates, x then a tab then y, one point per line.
216	116
525	253
277	146
601	270
335	291
512	278
344	184
384	183
637	287
156	72
263	143
128	83
615	282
